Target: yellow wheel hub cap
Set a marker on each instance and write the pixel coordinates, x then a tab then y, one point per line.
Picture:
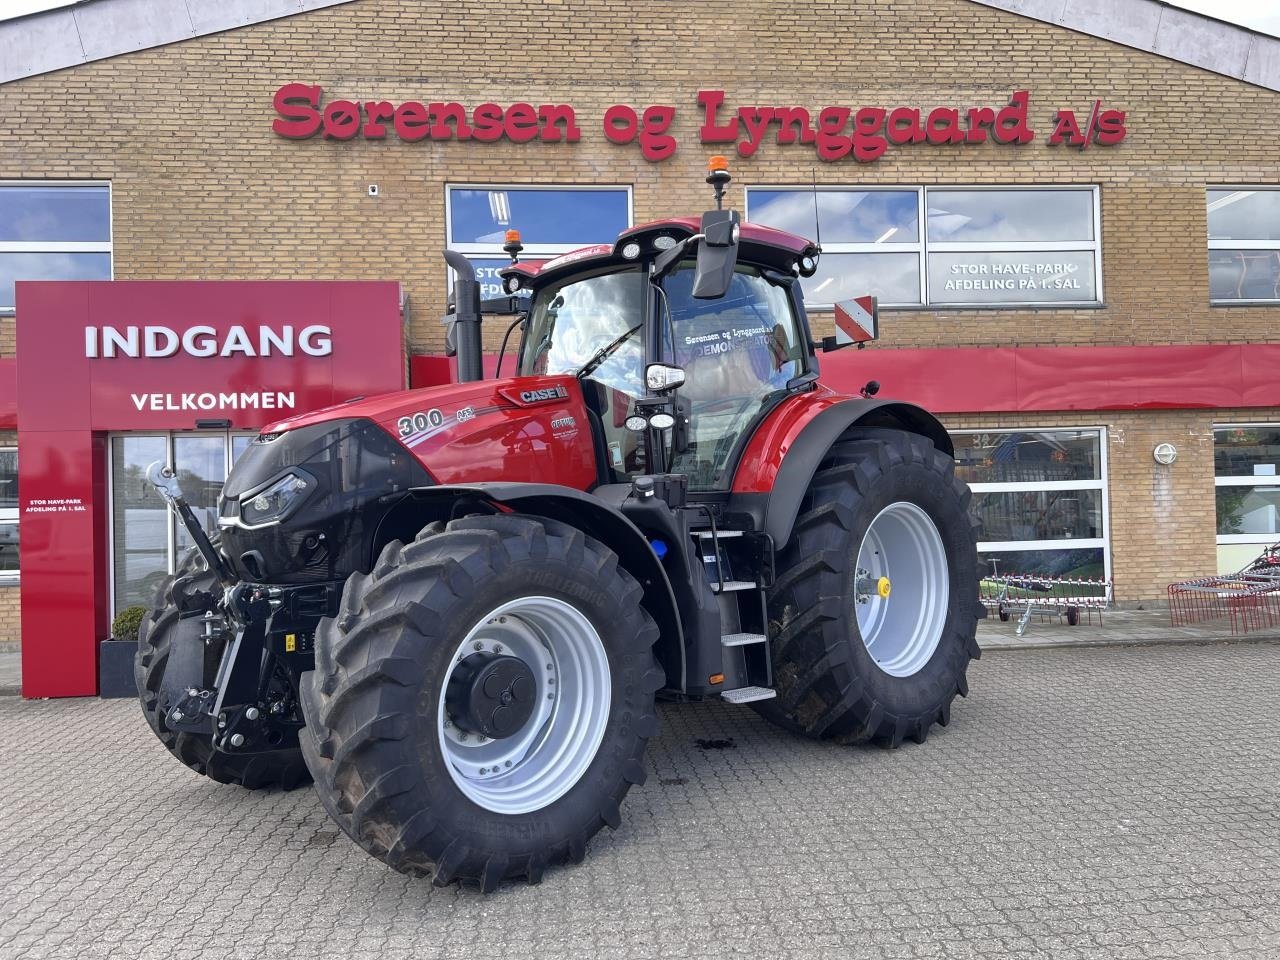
884	587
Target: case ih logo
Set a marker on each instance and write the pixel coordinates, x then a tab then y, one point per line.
543	395
833	132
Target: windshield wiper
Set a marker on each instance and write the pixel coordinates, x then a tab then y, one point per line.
605	352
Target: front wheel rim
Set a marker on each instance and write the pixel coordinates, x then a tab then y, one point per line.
549	753
902	589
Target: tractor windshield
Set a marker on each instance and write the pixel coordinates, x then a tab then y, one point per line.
593	327
738	354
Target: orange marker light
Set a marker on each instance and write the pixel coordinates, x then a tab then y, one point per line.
513	236
717	163
715	678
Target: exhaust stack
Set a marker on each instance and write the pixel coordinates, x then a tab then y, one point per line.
463	337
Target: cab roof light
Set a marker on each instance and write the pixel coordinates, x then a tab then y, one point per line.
513	246
718	177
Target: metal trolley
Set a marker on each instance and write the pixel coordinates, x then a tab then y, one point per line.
1025	594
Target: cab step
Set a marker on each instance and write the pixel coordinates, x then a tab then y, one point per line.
719	534
749	694
741	639
731	585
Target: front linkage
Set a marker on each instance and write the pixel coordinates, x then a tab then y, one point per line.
235	680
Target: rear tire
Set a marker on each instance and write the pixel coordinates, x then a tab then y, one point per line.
399	780
881	494
278	768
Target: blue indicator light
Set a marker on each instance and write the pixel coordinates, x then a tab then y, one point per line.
659	548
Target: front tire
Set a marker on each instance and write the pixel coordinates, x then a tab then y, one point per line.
431	784
874	613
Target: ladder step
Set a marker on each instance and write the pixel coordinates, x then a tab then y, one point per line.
720	534
731	585
741	639
749	694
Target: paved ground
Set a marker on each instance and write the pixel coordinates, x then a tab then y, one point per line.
1108	802
1114	627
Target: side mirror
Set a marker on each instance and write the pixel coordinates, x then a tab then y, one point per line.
717	254
857	321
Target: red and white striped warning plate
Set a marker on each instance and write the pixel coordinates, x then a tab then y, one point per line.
857	320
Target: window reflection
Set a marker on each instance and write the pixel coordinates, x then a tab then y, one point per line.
893	277
867	216
543	216
1087	563
55	214
49	266
1028	457
1009	216
1246	451
1244	274
1244	214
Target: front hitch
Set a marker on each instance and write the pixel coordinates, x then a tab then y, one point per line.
166	484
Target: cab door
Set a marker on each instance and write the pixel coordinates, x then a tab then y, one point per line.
739	354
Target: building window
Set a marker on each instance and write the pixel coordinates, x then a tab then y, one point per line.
1244	245
53	231
1246	460
1040	499
147	541
551	221
980	246
8	513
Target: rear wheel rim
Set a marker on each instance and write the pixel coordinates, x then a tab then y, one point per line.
549	753
902	630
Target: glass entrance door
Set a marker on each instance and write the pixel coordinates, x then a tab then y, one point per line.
146	539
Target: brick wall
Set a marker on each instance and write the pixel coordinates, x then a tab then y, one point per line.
202	188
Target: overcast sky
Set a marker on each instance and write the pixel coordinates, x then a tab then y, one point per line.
1261	15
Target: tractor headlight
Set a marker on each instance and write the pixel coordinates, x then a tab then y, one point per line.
807	265
277	500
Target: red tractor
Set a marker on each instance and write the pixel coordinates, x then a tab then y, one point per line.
454	608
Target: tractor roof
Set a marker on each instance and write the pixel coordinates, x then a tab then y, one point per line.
757	244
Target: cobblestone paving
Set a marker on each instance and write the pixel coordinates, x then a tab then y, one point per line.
1111	803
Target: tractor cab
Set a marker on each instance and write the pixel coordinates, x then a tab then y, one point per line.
684	334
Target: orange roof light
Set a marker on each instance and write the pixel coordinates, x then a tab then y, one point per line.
513	236
717	163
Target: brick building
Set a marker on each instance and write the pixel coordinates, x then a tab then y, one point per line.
1070	213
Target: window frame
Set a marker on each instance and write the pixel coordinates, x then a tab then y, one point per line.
1227	539
1239	245
1102	483
923	246
64	246
533	251
12	515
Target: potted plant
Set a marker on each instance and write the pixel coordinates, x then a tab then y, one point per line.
115	655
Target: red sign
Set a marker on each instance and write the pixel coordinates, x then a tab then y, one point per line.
135	355
866	133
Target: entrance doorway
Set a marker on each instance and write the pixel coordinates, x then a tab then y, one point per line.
146	539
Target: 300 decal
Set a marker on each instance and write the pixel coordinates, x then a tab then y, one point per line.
423	420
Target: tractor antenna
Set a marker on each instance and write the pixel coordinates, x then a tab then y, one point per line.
718	177
817	222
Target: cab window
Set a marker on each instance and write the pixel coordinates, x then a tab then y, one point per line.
738	353
569	325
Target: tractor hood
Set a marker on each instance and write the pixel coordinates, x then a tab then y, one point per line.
304	501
